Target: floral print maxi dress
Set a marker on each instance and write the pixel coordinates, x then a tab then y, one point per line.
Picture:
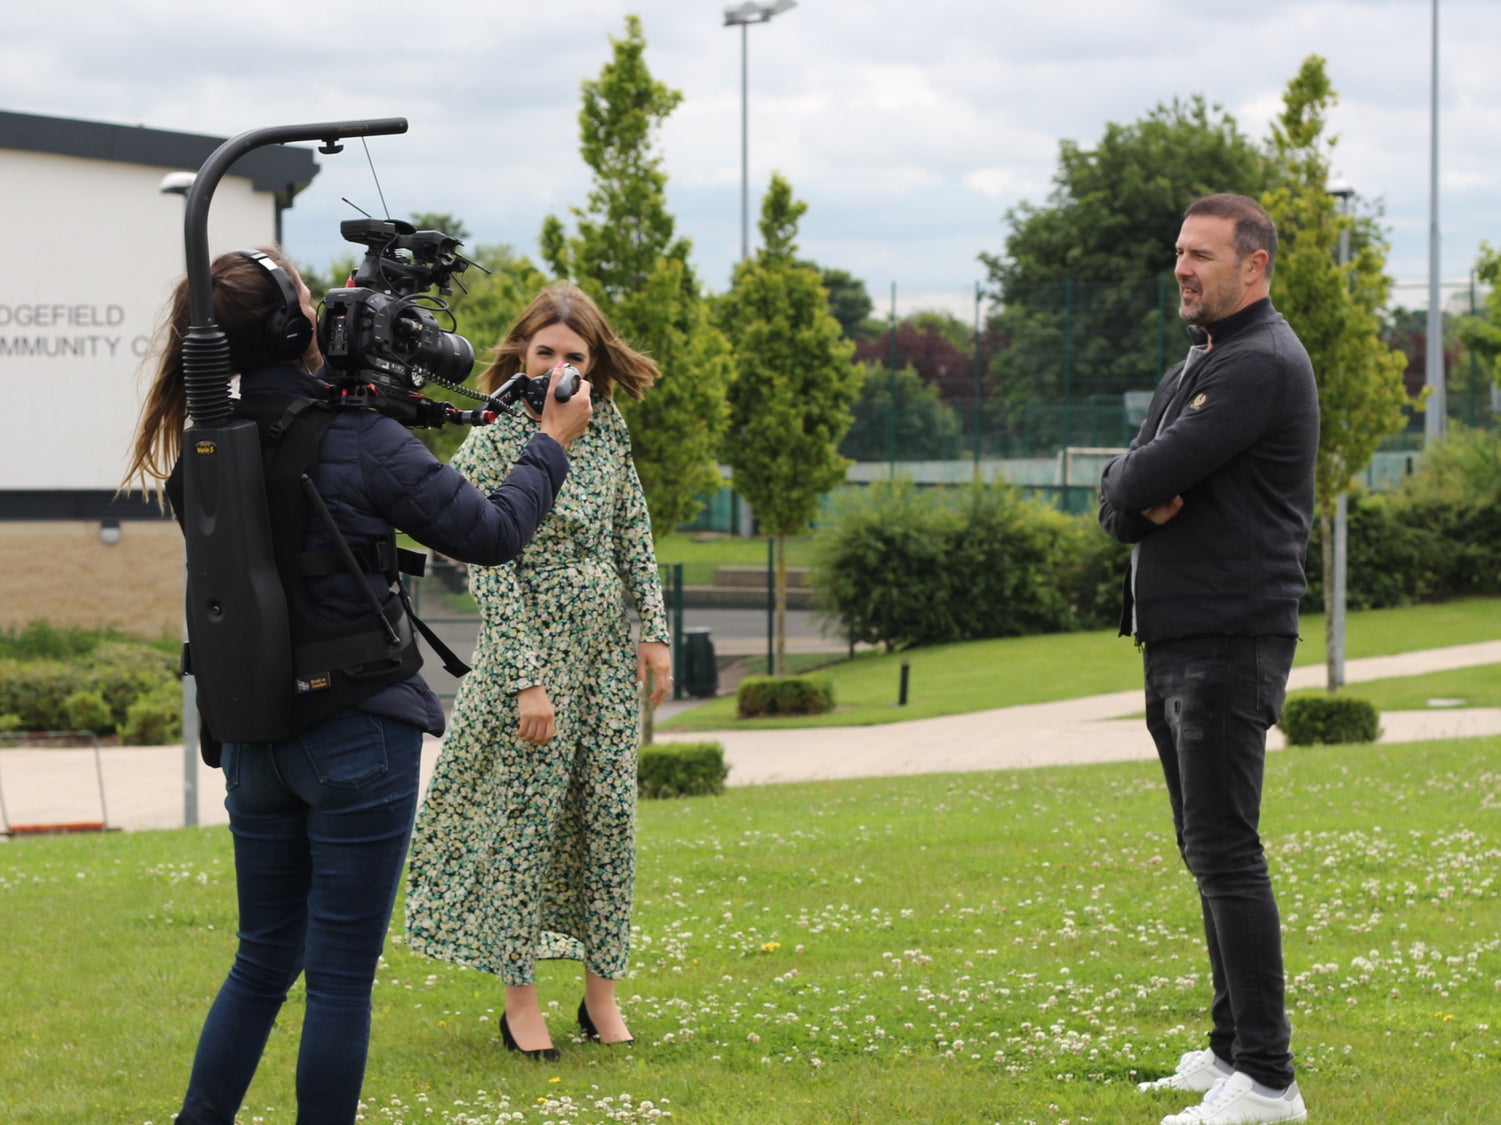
525	852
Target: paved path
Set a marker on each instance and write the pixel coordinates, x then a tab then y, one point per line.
143	786
1070	732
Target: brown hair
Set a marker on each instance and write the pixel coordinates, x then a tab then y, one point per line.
1254	229
616	363
245	297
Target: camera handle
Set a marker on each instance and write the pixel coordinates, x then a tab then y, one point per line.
206	362
534	391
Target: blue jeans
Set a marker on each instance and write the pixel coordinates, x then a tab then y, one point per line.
321	823
1210	702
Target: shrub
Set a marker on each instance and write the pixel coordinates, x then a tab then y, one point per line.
37	692
123	672
41	640
86	710
1436	537
1389	557
788	695
881	571
9	722
681	769
1308	720
901	567
119	671
155	719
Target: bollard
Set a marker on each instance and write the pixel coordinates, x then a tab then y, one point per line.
902	695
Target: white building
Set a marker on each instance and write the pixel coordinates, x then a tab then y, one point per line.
96	246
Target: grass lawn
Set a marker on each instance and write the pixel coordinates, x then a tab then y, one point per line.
982	675
1463	687
1014	948
702	554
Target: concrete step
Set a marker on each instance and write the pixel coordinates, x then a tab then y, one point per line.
742	597
798	577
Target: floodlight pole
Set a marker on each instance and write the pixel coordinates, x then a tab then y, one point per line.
1344	193
742	16
1436	416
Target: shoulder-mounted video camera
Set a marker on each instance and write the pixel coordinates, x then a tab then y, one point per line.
382	341
380	335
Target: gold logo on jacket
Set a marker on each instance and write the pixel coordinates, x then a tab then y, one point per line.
1199	400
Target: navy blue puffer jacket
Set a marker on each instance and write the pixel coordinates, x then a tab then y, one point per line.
374	475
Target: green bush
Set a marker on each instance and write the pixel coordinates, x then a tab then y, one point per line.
37	692
880	569
681	769
1436	537
119	671
903	567
788	695
1389	560
9	722
1309	720
155	719
86	710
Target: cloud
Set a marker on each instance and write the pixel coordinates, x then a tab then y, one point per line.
909	129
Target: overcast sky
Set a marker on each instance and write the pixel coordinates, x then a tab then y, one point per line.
909	128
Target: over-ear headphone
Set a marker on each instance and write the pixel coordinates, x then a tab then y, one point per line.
288	330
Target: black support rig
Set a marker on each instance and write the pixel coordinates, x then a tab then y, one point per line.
236	608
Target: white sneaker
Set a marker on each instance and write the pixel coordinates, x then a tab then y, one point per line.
1197	1071
1232	1101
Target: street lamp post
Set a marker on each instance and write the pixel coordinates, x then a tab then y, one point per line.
1335	640
742	16
180	183
1436	414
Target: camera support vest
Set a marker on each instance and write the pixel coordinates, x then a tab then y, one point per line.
335	664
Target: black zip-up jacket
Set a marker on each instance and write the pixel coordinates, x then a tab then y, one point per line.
1239	445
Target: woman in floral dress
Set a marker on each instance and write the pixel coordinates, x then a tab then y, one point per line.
525	843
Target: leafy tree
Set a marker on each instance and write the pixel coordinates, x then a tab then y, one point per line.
904	414
849	303
1085	281
793	386
626	256
484	308
938	346
1481	332
1333	308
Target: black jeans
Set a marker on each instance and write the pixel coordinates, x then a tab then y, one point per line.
1210	702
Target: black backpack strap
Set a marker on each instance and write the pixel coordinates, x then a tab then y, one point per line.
451	662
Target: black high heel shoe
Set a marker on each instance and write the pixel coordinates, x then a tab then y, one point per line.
586	1025
541	1054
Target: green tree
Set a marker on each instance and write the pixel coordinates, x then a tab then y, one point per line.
625	255
1334	309
485	303
922	425
849	303
792	391
1481	332
1085	282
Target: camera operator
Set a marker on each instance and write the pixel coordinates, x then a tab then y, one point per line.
322	819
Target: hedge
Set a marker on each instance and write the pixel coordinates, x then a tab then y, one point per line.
788	695
904	567
1309	720
98	686
681	769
